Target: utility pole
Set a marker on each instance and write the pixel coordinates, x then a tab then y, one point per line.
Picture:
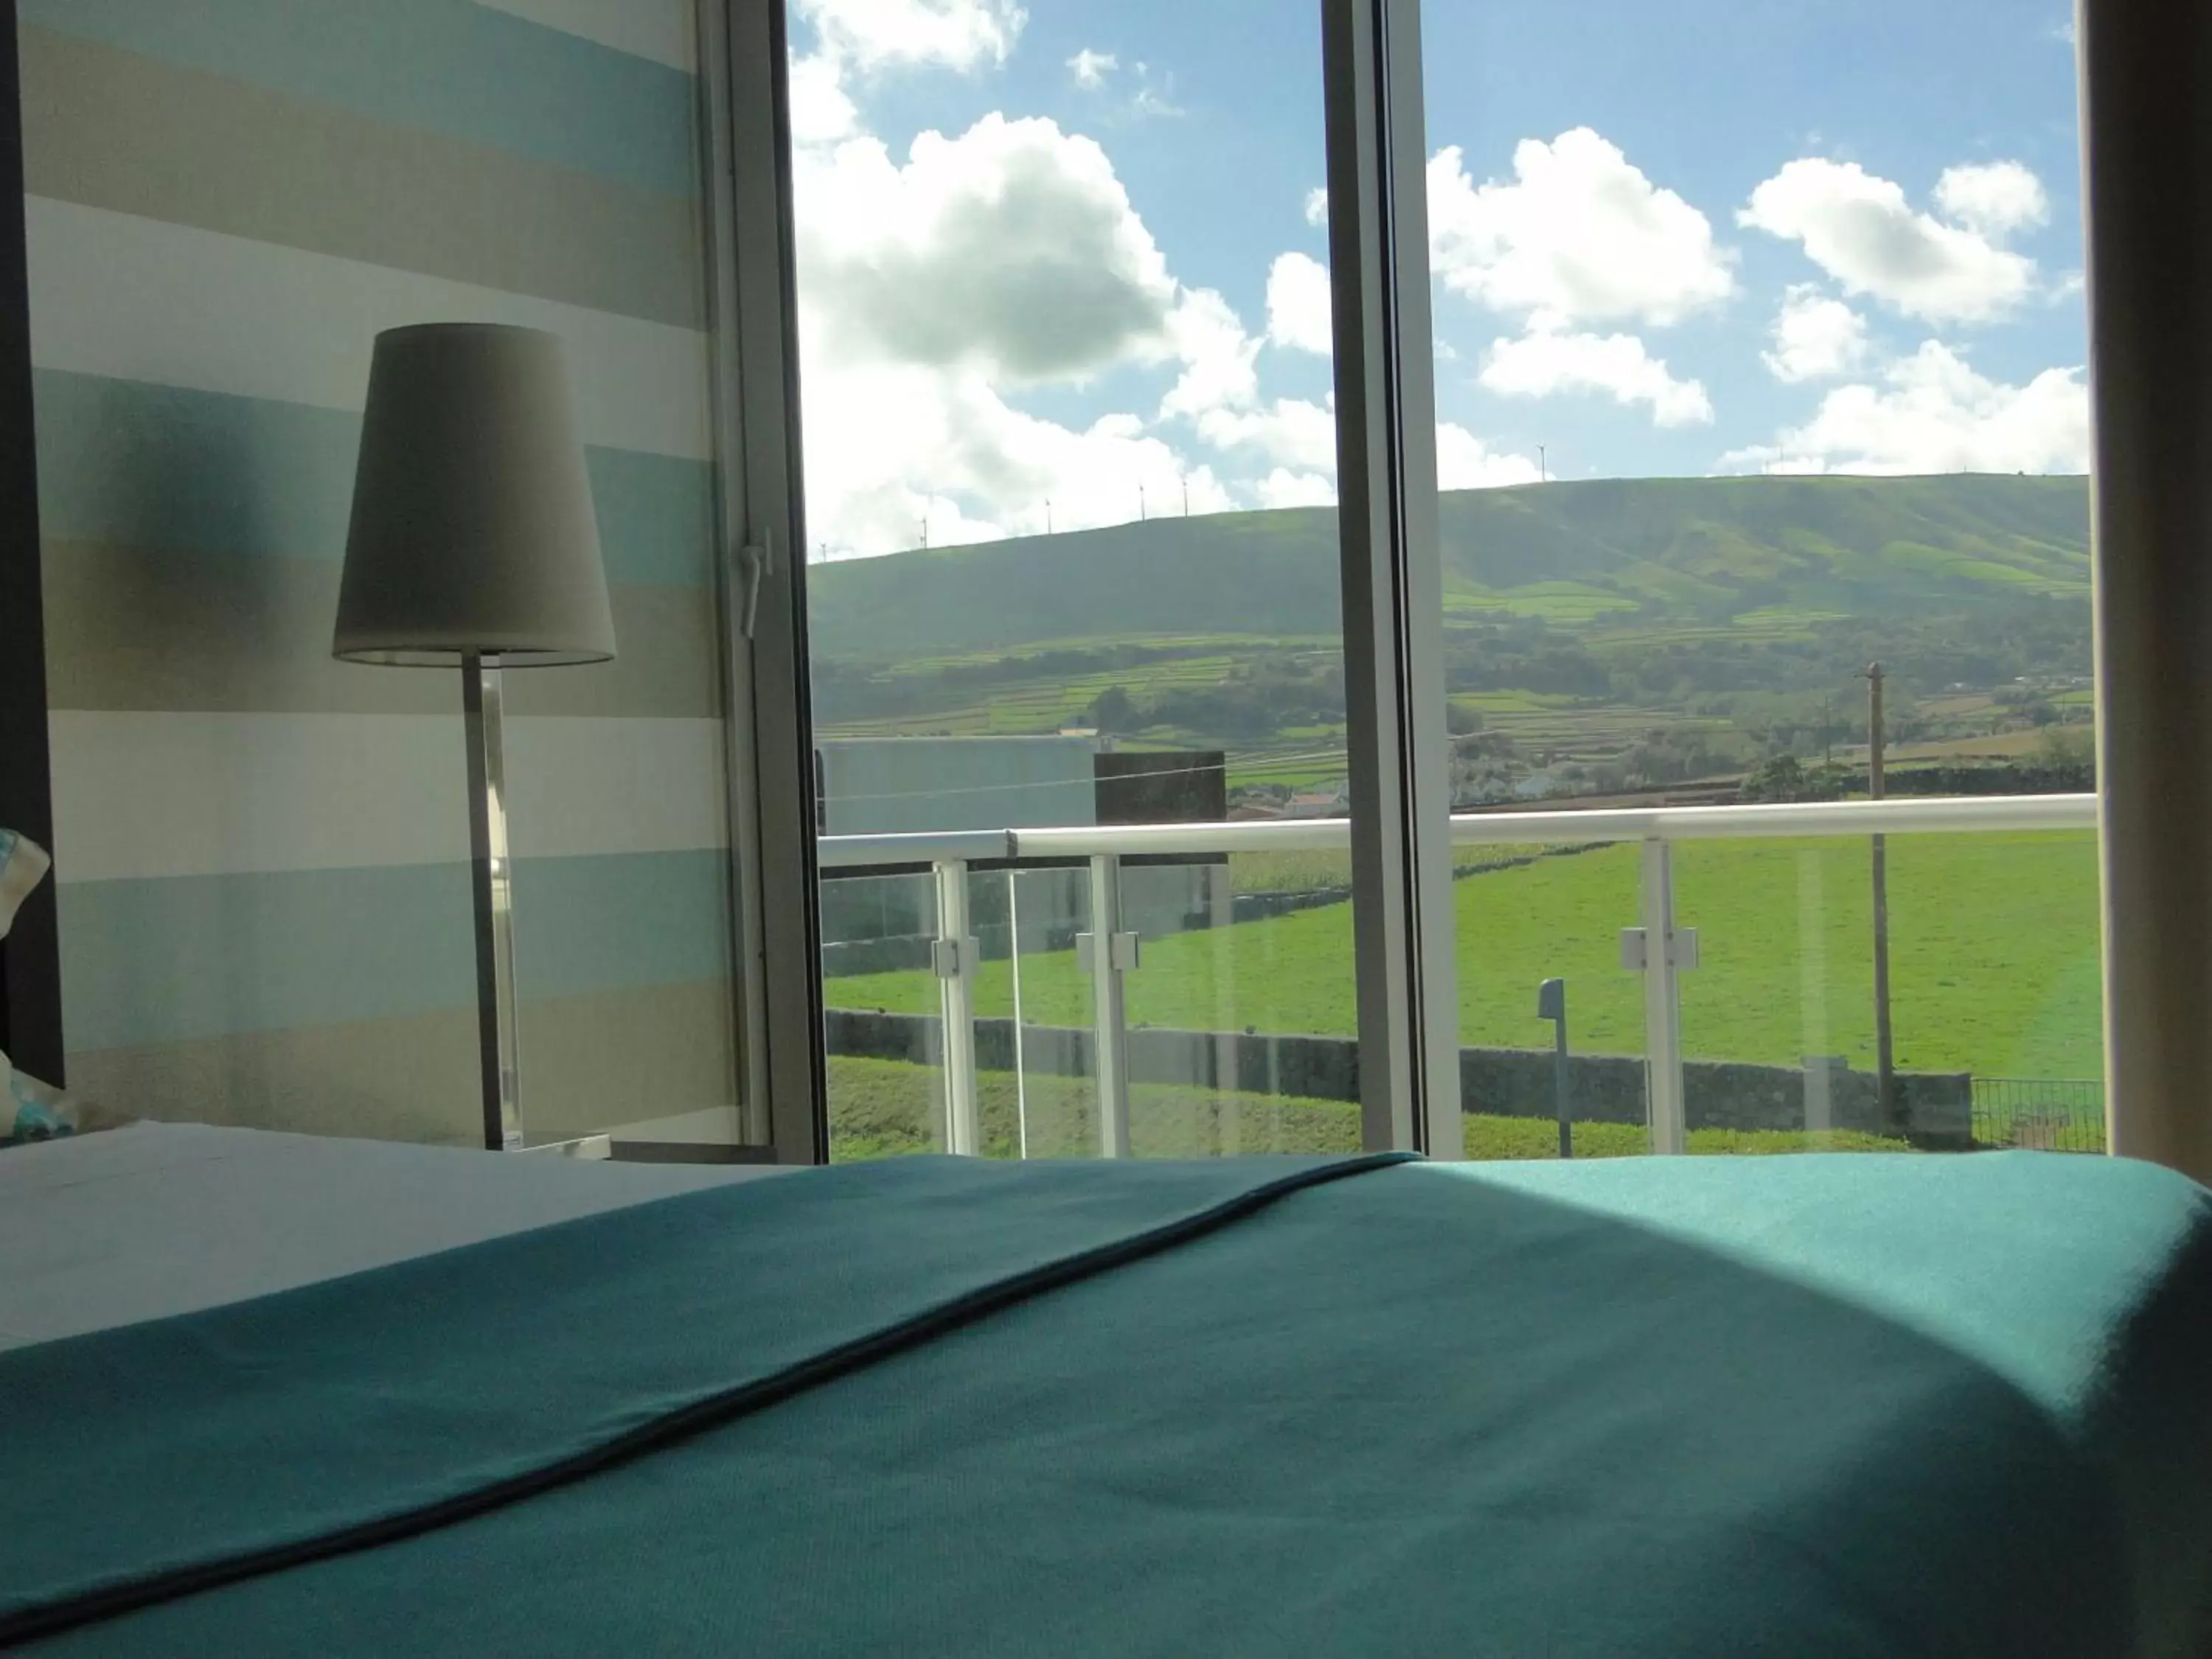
1141	515
1827	731
925	529
1884	1043
1048	515
1186	495
1543	465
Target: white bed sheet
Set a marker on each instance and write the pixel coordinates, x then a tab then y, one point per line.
136	1223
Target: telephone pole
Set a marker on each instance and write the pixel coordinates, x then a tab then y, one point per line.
1543	465
1048	515
1185	497
1884	1043
1141	515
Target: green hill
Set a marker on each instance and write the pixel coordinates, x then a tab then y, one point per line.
1605	552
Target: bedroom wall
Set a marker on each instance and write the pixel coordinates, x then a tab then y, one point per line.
261	852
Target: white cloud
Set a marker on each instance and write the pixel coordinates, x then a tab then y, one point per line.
1299	315
1283	488
1218	357
1012	249
1149	100
888	440
932	288
1544	364
1465	462
1815	338
821	111
1933	412
1091	68
1861	230
1993	199
1290	432
1579	234
1317	207
872	34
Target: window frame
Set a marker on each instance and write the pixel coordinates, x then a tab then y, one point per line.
30	957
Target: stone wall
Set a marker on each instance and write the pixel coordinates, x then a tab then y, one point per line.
1505	1082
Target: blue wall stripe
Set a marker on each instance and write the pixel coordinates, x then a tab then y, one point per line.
158	466
656	516
445	66
187	957
620	922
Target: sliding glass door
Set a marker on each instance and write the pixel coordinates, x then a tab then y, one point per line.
1073	580
1759	355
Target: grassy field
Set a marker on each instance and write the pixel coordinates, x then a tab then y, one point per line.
1993	957
886	1109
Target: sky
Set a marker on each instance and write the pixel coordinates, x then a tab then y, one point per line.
1065	262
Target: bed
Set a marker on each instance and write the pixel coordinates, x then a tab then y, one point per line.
329	1398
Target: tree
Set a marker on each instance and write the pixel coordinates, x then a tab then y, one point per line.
1114	710
1782	778
1787	778
2069	748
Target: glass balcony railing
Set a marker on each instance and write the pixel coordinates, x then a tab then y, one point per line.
1184	990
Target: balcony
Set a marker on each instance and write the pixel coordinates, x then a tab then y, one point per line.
1713	967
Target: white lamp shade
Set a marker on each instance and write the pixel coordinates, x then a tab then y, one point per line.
472	528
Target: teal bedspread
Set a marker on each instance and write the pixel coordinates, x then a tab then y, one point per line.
1799	1407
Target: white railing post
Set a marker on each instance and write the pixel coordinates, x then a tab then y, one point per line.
1663	1002
1014	972
956	957
1108	953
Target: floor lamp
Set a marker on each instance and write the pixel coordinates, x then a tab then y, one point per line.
473	545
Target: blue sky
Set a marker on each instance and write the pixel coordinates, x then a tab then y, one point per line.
1065	252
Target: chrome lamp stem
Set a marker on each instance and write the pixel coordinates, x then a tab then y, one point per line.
491	877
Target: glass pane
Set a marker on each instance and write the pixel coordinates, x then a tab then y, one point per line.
1529	916
1994	997
1069	445
1243	1020
886	1026
1996	973
1039	1094
1733	407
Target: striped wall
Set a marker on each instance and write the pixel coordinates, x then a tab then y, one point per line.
262	852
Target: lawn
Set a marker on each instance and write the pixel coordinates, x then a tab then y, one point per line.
1993	957
886	1109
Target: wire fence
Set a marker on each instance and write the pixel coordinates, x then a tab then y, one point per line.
2050	1115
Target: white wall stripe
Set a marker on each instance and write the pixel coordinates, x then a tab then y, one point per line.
139	298
155	795
663	30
